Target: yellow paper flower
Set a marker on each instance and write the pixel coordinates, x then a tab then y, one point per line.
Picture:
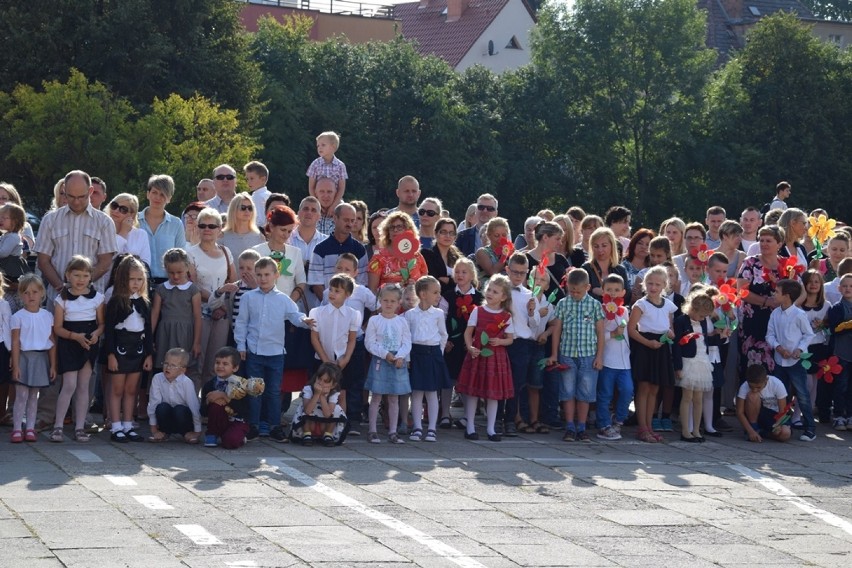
821	228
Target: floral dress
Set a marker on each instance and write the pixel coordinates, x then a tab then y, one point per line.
461	305
389	268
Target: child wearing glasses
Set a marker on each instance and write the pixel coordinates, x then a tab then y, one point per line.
173	406
327	165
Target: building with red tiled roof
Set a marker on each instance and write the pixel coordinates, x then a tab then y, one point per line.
492	33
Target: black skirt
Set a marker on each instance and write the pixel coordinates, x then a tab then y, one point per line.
70	354
652	365
428	369
129	351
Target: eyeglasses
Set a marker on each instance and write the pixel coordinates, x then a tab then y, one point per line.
518	272
489	208
76	197
173	366
397	227
228	177
122	208
192	216
447	233
427	213
206	226
246	208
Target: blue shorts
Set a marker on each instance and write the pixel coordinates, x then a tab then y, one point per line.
579	380
765	422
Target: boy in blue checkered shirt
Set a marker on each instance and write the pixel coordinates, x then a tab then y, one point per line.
578	342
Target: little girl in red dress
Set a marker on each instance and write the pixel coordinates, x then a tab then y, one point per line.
486	372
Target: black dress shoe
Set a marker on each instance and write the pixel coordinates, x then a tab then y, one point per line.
494	437
713	434
691	439
473	436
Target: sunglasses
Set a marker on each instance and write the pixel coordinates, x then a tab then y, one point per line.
207	226
122	208
427	213
228	177
246	208
489	208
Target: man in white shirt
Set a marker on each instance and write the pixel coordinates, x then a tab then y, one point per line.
225	181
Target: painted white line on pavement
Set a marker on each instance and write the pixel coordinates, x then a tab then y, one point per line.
153	502
198	534
241	563
440	548
782	491
121	480
85	456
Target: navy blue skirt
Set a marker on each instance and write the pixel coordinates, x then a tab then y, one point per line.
428	369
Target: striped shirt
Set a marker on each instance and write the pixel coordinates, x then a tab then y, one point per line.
63	234
325	258
578	318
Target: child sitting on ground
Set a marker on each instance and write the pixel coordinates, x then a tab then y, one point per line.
758	401
172	403
319	414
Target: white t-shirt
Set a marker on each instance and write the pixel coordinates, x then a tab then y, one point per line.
471	322
655	319
770	394
35	329
81	308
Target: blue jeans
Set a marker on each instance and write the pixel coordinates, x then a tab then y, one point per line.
521	360
579	380
797	378
608	381
265	410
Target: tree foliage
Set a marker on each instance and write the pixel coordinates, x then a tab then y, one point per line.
830	9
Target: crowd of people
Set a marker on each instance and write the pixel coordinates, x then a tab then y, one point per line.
407	316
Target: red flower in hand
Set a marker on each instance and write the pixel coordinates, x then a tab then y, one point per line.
496	328
688	337
790	268
828	368
613	307
464	306
504	249
701	254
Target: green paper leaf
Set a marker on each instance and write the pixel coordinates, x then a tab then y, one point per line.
806	355
806	364
552	296
531	281
720	324
484	338
454	324
486	353
618	337
542	363
664	338
404	273
536	291
411	264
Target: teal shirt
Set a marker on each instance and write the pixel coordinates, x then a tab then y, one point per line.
170	234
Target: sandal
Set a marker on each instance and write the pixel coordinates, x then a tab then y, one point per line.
394	438
431	436
158	437
134	436
445	423
328	440
524	428
56	435
119	437
657	437
539	428
17	437
461	423
30	436
416	435
646	435
373	438
81	436
307	440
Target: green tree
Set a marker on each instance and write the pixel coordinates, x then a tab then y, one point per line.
780	110
139	48
632	75
830	9
72	125
187	138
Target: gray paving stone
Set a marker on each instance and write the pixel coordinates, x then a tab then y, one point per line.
558	554
311	544
98	529
733	554
118	557
647	517
13	528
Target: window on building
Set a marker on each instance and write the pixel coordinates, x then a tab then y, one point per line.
836	39
514	43
754	11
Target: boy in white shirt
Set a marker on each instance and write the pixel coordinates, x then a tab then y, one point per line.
173	405
758	401
615	374
333	334
789	333
257	175
526	318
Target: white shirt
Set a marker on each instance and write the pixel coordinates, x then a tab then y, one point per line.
6	324
334	326
259	197
386	335
770	394
35	327
525	326
428	327
541	302
134	322
296	267
179	391
361	299
80	309
471	322
136	243
616	352
789	329
832	291
655	319
815	318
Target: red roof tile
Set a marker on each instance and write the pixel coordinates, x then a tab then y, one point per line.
435	36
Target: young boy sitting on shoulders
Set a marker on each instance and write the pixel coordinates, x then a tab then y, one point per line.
257	174
173	406
328	165
758	401
226	415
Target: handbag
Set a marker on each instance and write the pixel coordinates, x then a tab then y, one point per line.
13	267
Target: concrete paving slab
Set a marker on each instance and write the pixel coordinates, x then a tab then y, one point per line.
655	517
118	558
311	544
557	554
97	529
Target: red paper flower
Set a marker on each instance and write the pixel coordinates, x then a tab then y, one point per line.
496	328
405	246
729	297
789	267
613	307
688	337
828	368
542	265
464	306
701	254
504	249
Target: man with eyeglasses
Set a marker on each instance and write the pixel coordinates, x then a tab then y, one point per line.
408	192
225	182
470	240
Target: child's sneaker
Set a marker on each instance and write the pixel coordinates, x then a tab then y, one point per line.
278	435
807	436
657	425
210	441
840	424
608	434
666	425
252	434
354	428
570	435
617	426
263	431
583	436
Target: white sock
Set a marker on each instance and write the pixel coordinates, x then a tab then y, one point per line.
116	427
127	426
